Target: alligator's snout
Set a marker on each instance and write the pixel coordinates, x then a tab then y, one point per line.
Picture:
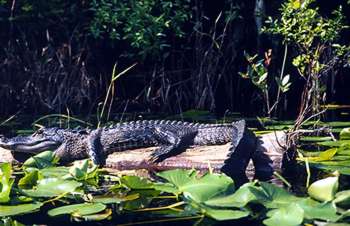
28	144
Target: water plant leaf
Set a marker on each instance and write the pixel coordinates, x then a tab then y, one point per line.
238	199
30	179
345	134
337	143
77	210
109	199
324	189
19	209
315	139
225	214
42	160
199	189
135	182
94	217
272	196
324	156
290	215
342	198
50	187
81	171
6	182
315	210
145	198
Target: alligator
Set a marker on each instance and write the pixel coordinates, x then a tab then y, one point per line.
172	137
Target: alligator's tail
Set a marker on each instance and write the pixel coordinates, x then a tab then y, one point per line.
212	134
243	148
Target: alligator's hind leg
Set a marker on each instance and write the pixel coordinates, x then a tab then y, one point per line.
172	144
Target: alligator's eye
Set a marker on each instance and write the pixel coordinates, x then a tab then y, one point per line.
38	132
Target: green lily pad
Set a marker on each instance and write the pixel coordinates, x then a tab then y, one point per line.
291	215
345	134
94	217
238	199
315	139
51	187
14	210
30	179
42	160
199	189
6	182
225	214
135	182
77	209
342	198
315	210
324	189
109	199
272	196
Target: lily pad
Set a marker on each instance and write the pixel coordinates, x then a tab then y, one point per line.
225	214
345	134
42	160
291	215
14	210
324	189
77	209
51	187
6	182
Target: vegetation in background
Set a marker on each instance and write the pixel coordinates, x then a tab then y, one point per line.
145	25
314	42
314	38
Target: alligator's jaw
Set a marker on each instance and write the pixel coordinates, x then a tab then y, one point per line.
28	145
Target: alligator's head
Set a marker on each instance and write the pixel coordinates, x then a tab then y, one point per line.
41	140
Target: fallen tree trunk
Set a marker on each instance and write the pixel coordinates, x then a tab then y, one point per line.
201	158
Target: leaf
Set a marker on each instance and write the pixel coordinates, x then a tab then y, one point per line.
77	209
315	139
199	189
296	4
345	134
178	177
262	78
50	187
109	199
81	171
19	209
337	143
324	189
135	182
95	217
272	196
42	160
30	179
6	182
225	214
291	215
315	210
342	198
238	199
285	80
325	155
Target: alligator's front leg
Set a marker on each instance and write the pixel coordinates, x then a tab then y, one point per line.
172	144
